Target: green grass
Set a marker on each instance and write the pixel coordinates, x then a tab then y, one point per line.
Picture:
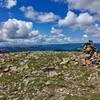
41	76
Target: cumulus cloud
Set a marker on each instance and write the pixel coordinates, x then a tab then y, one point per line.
18	31
71	19
68	20
90	5
10	3
85	19
29	12
14	29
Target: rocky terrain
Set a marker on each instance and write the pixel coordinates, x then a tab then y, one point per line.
48	76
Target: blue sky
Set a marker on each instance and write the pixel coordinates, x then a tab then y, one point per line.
49	21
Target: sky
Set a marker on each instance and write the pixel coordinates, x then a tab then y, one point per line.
49	21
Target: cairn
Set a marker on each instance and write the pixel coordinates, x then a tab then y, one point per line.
88	56
89	52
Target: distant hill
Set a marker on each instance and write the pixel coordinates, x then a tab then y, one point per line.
47	47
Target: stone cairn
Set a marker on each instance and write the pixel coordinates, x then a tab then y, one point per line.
87	57
89	53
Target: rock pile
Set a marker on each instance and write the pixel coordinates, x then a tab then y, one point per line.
88	56
89	52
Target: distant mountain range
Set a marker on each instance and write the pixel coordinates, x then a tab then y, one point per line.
46	47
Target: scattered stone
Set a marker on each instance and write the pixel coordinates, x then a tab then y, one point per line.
73	58
76	63
52	73
6	69
13	69
47	78
65	61
22	63
1	74
48	83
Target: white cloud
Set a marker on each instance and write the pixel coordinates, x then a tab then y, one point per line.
2	36
94	30
85	36
47	17
18	31
59	1
68	20
86	22
85	19
56	36
90	5
55	30
72	19
34	33
10	3
14	29
29	12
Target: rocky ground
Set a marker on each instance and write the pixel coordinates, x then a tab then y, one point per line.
48	76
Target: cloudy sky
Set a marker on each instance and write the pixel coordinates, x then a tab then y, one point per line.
49	21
